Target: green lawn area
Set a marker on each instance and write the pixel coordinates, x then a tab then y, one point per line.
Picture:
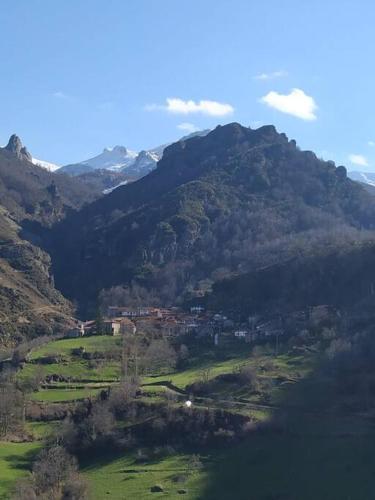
73	367
317	452
42	430
76	370
63	347
15	460
60	395
121	478
285	365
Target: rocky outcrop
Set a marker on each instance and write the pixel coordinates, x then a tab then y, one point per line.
15	146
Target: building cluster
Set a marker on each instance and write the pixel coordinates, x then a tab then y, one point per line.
197	321
109	326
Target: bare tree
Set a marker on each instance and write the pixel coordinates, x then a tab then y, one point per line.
160	356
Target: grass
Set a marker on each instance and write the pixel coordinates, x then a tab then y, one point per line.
62	395
15	460
100	343
73	367
121	478
265	466
42	430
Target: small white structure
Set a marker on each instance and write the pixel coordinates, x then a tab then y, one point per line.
240	333
188	403
196	309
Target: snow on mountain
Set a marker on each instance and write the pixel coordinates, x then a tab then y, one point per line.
109	190
52	167
143	164
365	177
120	158
112	158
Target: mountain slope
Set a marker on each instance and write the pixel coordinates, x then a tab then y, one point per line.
31	199
364	177
133	165
214	206
341	276
51	167
111	159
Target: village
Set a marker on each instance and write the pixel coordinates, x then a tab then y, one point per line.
201	323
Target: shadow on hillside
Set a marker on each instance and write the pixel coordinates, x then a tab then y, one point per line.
22	462
308	450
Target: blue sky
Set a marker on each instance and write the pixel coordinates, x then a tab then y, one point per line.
79	75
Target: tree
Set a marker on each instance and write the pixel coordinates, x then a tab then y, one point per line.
11	408
99	322
51	470
55	476
160	356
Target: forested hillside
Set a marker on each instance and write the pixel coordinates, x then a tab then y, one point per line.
228	203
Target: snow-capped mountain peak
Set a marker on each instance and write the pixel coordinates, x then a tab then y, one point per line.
119	158
52	167
112	158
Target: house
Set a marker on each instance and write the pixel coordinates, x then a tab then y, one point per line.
112	327
133	312
76	332
89	327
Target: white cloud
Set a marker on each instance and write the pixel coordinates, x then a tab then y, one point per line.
296	103
371	143
271	76
187	127
61	95
179	106
358	160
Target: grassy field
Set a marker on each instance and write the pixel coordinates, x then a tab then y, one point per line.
316	452
62	395
75	368
15	460
100	343
319	465
122	478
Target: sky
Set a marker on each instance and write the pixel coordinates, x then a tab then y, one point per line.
80	75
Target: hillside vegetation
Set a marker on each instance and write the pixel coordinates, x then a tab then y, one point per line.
31	199
231	202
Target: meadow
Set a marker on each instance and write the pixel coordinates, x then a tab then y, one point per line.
300	436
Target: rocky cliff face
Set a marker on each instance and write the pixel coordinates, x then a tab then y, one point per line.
31	199
15	147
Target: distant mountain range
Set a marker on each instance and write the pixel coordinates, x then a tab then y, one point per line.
51	167
364	177
121	159
110	159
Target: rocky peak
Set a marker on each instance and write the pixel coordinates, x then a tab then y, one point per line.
118	149
15	147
